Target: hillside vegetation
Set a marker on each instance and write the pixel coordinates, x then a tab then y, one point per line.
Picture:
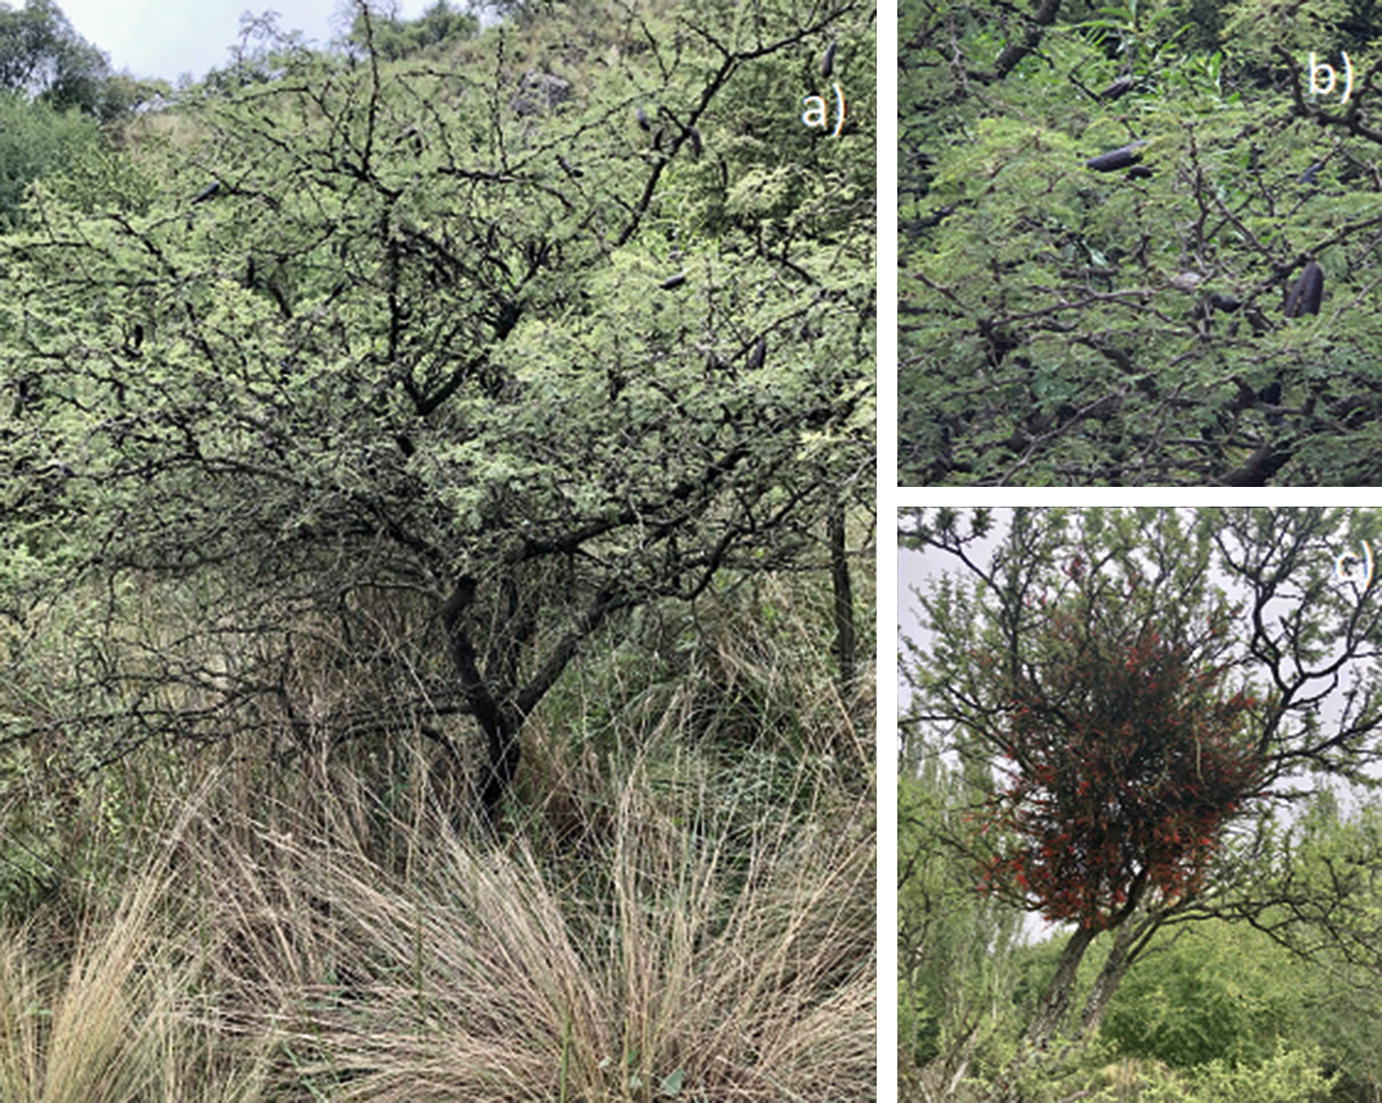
433	652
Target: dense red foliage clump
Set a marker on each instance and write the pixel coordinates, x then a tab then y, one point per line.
1124	762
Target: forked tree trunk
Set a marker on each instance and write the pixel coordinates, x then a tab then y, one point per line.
1055	1001
1046	1023
499	719
497	699
1053	1010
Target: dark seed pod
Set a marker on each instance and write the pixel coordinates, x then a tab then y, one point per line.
673	281
1121	87
1305	296
1309	175
643	121
207	192
697	146
714	366
1140	172
1121	158
828	60
758	353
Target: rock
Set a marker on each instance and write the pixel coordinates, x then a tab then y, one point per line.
538	93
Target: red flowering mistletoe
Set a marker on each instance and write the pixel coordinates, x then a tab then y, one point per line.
1124	764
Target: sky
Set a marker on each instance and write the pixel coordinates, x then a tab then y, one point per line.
166	38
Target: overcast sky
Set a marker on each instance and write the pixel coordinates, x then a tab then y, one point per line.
165	38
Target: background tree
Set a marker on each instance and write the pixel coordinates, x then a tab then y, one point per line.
400	346
1141	728
956	948
54	89
394	37
42	57
1063	324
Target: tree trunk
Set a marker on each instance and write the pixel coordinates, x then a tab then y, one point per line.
499	704
1109	978
1055	1000
1051	1013
845	641
499	719
1049	1017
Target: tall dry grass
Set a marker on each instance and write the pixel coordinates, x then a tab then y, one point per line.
680	904
113	1024
702	966
698	944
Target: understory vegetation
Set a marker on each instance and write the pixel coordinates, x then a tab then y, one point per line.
682	908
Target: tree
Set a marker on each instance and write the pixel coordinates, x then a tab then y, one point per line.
1215	991
394	356
1066	325
955	947
394	38
1141	727
42	57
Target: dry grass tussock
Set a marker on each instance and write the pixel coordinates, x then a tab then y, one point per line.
697	948
702	966
110	1024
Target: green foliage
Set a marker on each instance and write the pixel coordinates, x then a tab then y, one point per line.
1067	326
42	56
1287	1076
390	329
956	947
35	141
1212	992
395	38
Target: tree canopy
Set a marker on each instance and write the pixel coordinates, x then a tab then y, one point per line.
1135	709
1125	762
509	347
42	56
393	37
1134	245
36	141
